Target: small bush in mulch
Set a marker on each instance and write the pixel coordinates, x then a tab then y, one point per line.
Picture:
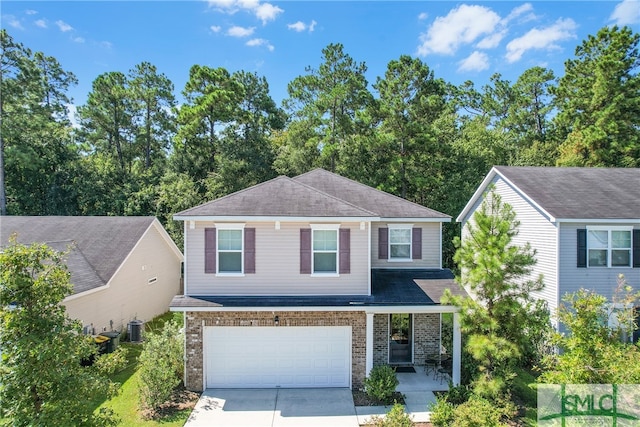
360	398
181	399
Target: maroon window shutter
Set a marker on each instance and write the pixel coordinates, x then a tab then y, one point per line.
345	251
209	250
416	243
636	248
249	250
305	251
383	243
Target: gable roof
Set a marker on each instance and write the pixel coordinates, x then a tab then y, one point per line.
571	193
316	194
99	244
385	205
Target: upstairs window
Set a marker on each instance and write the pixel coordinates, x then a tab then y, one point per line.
609	247
230	251
400	243
325	251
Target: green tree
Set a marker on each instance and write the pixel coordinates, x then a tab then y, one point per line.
592	348
502	321
42	348
153	104
598	103
328	100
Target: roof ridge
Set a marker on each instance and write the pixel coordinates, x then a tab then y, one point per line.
369	188
334	197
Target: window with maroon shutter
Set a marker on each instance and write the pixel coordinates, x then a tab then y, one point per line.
210	250
345	251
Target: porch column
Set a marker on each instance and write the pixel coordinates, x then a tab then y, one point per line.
369	344
457	348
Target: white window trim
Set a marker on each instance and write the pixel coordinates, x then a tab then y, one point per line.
400	227
609	229
326	227
230	226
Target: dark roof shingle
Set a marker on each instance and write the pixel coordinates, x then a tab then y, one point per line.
99	244
579	193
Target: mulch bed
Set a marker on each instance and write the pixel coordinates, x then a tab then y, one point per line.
360	398
181	399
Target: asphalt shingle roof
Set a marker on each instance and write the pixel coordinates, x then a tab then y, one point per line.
99	244
580	193
315	194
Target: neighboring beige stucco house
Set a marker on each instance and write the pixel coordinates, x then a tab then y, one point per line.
122	268
310	282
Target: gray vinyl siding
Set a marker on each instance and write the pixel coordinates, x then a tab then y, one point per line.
535	229
602	280
277	265
431	247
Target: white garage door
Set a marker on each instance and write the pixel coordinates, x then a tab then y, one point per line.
265	357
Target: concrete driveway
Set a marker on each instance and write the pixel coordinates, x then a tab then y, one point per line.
274	408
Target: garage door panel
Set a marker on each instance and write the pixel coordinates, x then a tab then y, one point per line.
278	356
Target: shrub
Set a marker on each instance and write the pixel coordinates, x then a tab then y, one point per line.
381	383
396	417
161	365
442	412
110	363
478	411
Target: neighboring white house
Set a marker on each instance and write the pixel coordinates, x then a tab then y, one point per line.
122	268
310	282
584	224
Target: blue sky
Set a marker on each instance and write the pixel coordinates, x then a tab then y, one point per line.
461	40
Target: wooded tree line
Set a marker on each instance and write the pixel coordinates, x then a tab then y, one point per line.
410	133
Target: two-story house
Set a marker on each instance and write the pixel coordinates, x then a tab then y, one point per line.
309	282
584	224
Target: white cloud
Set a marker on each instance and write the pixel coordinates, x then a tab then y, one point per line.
301	26
72	115
12	21
477	61
545	39
106	45
31	12
261	42
264	11
519	11
267	12
626	13
216	28
423	16
78	39
41	23
237	31
492	40
297	26
64	27
462	25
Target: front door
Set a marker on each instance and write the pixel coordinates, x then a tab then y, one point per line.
400	338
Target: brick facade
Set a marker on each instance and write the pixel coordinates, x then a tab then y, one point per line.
426	337
196	320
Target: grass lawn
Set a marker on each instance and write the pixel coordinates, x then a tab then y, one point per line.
525	393
125	405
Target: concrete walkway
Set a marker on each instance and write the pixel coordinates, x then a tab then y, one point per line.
274	408
307	407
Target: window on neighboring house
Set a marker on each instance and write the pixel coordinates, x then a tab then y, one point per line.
609	247
400	243
229	251
325	251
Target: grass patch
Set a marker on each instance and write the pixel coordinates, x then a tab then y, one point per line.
125	405
525	395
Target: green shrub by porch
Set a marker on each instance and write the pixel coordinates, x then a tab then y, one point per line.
381	383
